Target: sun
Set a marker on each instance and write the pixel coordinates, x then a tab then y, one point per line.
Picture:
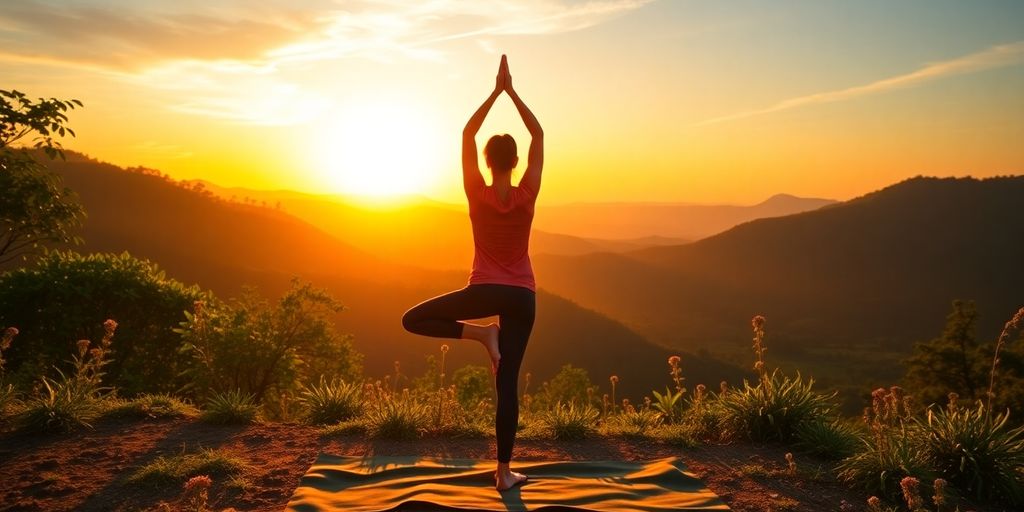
377	148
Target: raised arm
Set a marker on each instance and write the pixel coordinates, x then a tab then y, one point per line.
535	158
471	177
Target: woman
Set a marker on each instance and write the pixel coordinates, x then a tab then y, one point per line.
501	282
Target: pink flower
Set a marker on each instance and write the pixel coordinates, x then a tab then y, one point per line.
198	483
674	361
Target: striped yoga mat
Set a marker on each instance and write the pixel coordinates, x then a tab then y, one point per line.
377	483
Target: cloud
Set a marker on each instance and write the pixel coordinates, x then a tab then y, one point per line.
995	57
226	58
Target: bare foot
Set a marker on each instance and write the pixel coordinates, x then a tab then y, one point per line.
490	342
504	481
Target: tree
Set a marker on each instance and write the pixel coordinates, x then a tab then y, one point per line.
266	350
951	363
35	209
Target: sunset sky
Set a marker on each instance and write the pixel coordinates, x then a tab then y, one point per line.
669	100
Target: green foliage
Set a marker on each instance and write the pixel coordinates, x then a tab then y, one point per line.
449	418
833	439
63	297
35	209
669	404
231	407
331	401
67	403
176	469
977	452
572	420
396	415
951	363
702	415
264	349
570	384
72	400
887	456
159	405
774	408
473	385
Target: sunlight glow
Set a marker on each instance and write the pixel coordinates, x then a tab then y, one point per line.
379	147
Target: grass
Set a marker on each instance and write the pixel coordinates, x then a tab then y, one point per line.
176	469
572	420
331	401
231	408
63	405
148	406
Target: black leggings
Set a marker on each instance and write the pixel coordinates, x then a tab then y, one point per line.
515	306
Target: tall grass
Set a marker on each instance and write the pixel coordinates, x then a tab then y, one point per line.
231	407
331	401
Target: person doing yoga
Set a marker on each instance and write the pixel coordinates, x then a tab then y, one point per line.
501	282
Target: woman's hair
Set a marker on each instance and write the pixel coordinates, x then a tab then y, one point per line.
500	153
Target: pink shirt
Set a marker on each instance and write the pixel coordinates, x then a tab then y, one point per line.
501	235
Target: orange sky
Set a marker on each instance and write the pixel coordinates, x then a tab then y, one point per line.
640	100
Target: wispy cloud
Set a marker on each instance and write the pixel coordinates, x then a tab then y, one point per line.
229	56
995	57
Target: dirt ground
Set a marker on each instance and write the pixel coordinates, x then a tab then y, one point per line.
88	470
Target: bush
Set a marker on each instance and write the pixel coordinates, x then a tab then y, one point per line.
331	401
63	296
570	384
473	384
977	452
572	420
774	408
231	407
265	350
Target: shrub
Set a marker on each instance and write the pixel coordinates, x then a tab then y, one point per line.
774	408
570	384
449	418
59	299
977	452
263	349
572	420
231	407
473	384
331	401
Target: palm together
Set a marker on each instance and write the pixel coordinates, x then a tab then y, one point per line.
504	79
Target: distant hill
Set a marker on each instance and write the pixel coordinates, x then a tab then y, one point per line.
853	283
673	220
422	233
223	245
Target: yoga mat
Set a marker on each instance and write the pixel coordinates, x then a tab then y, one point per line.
377	483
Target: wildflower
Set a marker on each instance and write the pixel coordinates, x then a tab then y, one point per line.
953	398
723	386
791	462
198	483
673	361
701	388
110	325
874	504
83	347
96	353
911	493
757	322
940	493
759	365
1014	322
614	379
444	348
